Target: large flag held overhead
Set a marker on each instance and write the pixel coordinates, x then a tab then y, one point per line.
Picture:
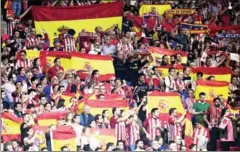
160	9
159	52
10	127
164	101
85	62
77	17
220	73
97	106
212	89
51	118
63	136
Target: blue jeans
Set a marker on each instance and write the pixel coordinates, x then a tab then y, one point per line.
131	147
16	6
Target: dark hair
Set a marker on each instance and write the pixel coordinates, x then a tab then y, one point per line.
35	62
137	141
120	141
215	99
185	68
153	110
103	112
171	111
170	69
39	84
16	140
31	90
60	103
170	142
110	144
42	96
34	79
210	77
63	147
94	72
19	70
71	32
199	74
116	149
44	148
114	110
97	117
202	94
29	106
55	60
223	112
16	104
23	51
192	145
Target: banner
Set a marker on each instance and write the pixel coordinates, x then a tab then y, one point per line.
77	17
63	136
160	9
193	26
212	89
164	101
10	127
214	28
50	118
220	74
87	62
97	106
228	36
103	136
159	52
80	62
180	12
164	70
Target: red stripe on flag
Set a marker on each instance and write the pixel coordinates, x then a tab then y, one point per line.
11	116
212	83
213	71
156	93
90	56
64	133
107	103
52	115
77	12
11	137
102	77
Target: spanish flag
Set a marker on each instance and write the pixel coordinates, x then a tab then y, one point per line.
159	52
220	73
108	97
77	17
160	9
164	70
63	136
97	106
64	56
188	132
67	97
212	89
164	101
50	118
83	63
10	127
78	107
103	136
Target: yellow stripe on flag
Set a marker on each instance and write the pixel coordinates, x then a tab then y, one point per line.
212	89
47	122
160	9
65	62
10	127
32	54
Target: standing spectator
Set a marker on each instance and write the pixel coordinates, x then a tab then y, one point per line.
86	117
70	42
170	82
57	66
23	61
200	136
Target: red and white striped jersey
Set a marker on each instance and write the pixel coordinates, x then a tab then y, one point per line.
174	129
25	64
31	41
199	133
180	83
133	133
70	44
121	131
151	125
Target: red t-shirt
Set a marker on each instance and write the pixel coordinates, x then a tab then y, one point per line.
53	71
113	122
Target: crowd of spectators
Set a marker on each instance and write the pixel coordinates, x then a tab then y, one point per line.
28	90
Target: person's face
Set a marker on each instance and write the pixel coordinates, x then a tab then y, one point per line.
228	112
142	79
14	77
77	119
178	57
18	85
217	103
155	145
3	95
57	44
9	148
191	94
40	88
86	109
58	62
107	40
118	83
19	108
35	71
48	107
17	34
160	141
156	113
121	145
175	112
194	148
118	111
180	75
100	120
173	147
172	72
187	71
178	140
29	75
43	100
55	89
120	55
33	32
23	56
30	132
199	77
202	98
234	81
96	75
106	114
172	59
198	125
165	59
15	144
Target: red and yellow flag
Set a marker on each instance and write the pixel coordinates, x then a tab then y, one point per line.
164	101
64	136
85	62
212	89
108	97
159	52
104	136
50	118
160	9
220	74
97	106
77	17
64	56
10	127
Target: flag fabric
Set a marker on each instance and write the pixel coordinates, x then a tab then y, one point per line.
164	70
220	73
10	127
212	89
67	97
188	132
193	26
78	107
77	17
97	106
63	136
160	9
108	97
83	63
159	52
103	136
214	28
164	101
50	118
